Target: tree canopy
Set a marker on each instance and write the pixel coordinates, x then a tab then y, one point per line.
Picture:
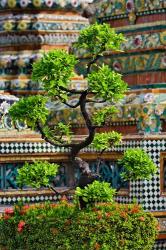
55	70
105	86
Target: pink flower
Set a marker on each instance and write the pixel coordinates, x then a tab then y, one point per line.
9	211
21	225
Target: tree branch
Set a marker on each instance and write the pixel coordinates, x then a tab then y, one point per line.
72	106
91	129
44	137
99	55
71	91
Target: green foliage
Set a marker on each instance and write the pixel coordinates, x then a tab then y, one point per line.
106	140
107	84
63	227
137	165
96	192
98	38
58	132
101	116
30	110
36	174
54	71
64	130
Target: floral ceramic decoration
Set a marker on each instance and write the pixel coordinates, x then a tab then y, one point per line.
4	107
159	109
117	66
22	25
149	98
11	3
24	3
3	3
137	41
37	3
2	85
75	3
8	26
49	3
130	6
62	3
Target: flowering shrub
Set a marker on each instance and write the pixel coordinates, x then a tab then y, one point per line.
107	226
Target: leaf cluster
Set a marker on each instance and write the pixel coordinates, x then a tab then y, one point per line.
137	165
54	71
37	174
106	140
106	84
96	192
60	133
98	38
101	116
30	110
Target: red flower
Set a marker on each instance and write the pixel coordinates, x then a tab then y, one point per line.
123	215
135	209
24	209
141	218
108	214
21	225
9	211
6	217
99	217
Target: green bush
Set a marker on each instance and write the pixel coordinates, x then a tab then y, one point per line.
96	192
36	174
108	226
137	165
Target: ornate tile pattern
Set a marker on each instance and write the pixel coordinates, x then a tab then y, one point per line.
147	192
160	245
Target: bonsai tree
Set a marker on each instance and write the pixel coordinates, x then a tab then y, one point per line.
104	86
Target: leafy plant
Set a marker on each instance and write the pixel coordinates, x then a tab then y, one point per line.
96	192
37	174
30	110
106	140
96	40
104	86
55	69
107	226
137	165
107	84
101	116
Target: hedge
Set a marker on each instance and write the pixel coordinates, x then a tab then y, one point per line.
107	226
